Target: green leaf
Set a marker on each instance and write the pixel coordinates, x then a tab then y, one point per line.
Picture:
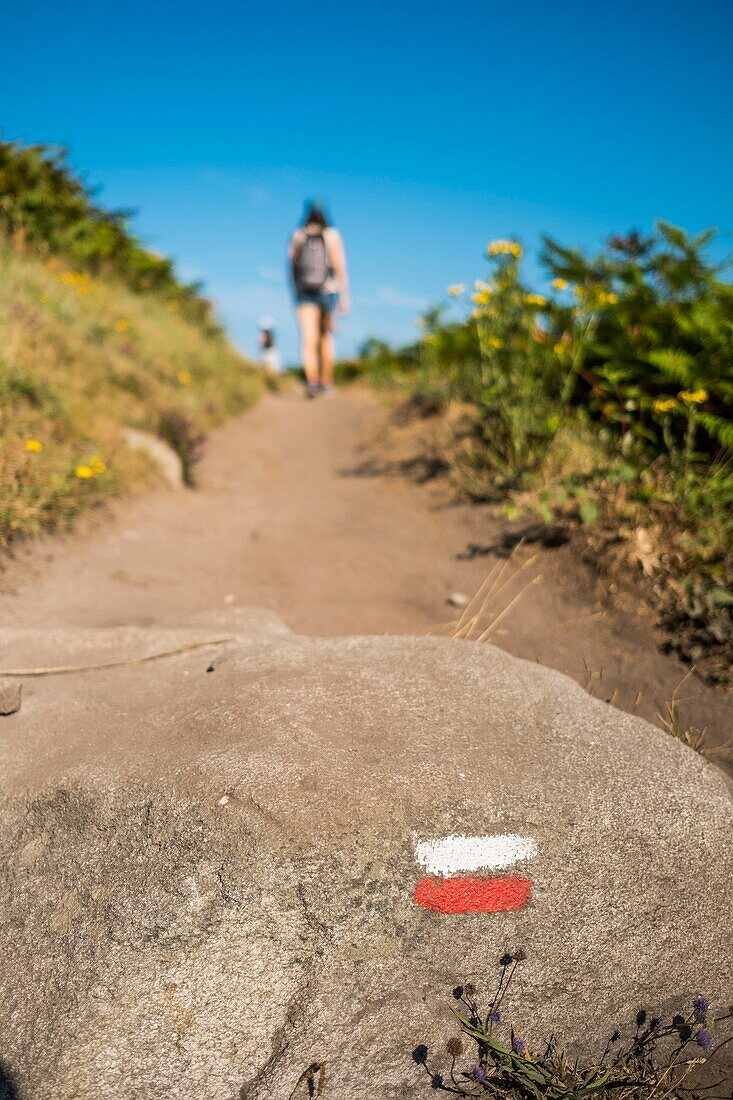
588	511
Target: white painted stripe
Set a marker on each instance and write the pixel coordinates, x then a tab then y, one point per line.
452	854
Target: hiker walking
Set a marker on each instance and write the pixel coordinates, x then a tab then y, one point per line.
268	345
320	281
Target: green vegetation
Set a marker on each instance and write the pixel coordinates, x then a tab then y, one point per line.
656	1059
608	403
46	208
96	335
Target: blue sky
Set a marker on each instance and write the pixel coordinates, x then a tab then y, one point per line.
428	127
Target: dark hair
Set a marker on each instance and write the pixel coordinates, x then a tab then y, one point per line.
314	214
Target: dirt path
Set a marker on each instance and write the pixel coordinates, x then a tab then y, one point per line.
293	514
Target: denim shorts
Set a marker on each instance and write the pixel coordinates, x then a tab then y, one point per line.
325	302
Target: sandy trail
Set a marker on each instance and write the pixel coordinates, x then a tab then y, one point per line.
285	517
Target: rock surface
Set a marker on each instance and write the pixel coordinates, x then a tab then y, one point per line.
209	876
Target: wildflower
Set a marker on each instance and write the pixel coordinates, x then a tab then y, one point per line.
606	299
482	298
494	342
476	314
479	1074
700	1008
664	404
560	284
420	1054
535	300
693	397
456	289
185	378
704	1039
454	1047
34	445
504	248
470	989
97	465
520	955
519	1046
506	959
495	1016
84	472
559	349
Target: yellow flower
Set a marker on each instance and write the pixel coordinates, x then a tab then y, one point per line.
96	464
121	325
559	349
483	298
693	397
494	342
185	378
456	289
84	472
535	300
504	248
476	314
34	445
560	284
605	299
664	404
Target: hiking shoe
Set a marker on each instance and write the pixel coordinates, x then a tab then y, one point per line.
312	389
325	389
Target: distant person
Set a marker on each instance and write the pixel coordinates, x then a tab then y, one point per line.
320	281
269	353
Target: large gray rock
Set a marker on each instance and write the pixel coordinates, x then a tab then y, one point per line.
209	875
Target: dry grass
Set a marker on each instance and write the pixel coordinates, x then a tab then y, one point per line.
494	600
80	358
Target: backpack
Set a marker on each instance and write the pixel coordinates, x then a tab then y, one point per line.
310	265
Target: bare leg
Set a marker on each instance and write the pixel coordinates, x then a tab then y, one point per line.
327	350
309	317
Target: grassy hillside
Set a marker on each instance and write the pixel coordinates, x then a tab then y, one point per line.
97	332
80	358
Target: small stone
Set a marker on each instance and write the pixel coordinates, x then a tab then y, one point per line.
457	599
9	696
224	800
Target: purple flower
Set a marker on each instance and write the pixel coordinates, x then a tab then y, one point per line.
495	1016
705	1040
479	1074
700	1008
519	1046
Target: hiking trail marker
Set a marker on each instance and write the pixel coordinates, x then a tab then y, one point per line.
450	887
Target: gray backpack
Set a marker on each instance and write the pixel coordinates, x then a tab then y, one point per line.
310	265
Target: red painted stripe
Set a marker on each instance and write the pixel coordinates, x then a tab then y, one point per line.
473	895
